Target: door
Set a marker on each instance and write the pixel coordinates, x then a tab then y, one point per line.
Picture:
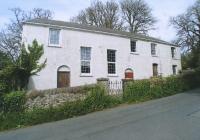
155	69
63	79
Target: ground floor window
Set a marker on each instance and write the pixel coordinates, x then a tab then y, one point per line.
155	69
85	59
111	59
174	69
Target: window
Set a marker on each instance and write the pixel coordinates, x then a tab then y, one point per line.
54	37
153	49
85	59
133	46
111	58
173	52
155	69
174	69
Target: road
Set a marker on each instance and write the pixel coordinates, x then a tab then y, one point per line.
172	118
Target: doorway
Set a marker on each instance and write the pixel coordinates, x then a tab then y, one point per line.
63	77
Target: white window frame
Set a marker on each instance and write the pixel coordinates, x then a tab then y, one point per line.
135	46
155	49
59	41
85	60
111	62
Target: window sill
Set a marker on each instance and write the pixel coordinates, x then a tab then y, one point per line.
86	75
134	53
112	75
175	59
54	46
154	55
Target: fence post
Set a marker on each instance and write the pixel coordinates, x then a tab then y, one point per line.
125	82
104	82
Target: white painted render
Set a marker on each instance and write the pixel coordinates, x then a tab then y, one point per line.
69	54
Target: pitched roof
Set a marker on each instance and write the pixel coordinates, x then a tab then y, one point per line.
83	27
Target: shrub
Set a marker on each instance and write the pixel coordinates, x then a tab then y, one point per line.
14	101
136	90
158	87
191	79
98	99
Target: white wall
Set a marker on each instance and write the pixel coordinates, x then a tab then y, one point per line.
69	54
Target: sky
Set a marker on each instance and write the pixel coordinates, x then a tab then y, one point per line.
65	9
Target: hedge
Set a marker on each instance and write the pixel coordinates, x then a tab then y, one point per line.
97	100
158	87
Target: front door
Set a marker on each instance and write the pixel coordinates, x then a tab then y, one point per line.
63	79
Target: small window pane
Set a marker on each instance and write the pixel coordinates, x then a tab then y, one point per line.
133	46
111	55
111	68
85	53
54	36
85	67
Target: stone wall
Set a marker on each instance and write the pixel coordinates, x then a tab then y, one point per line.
56	97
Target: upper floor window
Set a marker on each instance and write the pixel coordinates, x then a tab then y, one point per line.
54	37
85	59
111	58
153	49
174	69
173	51
133	46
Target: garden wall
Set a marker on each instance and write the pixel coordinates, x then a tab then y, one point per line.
55	97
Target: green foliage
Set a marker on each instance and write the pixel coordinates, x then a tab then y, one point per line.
97	100
15	75
133	91
192	59
140	90
14	101
29	62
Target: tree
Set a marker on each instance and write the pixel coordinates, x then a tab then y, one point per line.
101	15
17	74
188	34
11	36
137	16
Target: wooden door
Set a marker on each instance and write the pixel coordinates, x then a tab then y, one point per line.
63	79
155	69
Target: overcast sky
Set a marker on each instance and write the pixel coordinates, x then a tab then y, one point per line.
64	9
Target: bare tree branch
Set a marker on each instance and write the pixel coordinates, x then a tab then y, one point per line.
137	15
11	36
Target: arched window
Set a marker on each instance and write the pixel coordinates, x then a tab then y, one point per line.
63	76
129	73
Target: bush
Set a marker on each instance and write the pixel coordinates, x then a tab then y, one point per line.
14	101
133	91
98	99
158	87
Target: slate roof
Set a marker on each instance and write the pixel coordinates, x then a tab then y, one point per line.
83	27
